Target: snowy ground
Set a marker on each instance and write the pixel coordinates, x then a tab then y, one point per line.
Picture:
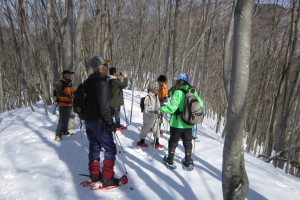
34	166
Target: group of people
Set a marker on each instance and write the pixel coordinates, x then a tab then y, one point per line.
109	98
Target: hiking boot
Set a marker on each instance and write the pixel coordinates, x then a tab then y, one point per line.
169	163
189	164
94	168
57	138
110	182
142	143
67	133
170	158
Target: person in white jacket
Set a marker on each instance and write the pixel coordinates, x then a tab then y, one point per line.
150	116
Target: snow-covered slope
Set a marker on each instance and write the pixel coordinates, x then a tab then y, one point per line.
34	166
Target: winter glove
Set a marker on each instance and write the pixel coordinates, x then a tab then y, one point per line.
165	99
54	98
112	127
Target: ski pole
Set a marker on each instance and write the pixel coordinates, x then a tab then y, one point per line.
116	137
122	160
195	138
125	115
155	136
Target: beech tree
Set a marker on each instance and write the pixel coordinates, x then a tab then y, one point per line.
235	182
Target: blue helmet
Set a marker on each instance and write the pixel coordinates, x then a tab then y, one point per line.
183	77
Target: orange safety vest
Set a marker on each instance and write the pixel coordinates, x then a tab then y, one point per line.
67	98
162	92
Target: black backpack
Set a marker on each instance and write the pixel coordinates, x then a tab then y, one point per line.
84	102
142	103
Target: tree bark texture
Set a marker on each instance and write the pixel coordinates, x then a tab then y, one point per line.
235	182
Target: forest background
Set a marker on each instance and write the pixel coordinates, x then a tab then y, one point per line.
146	38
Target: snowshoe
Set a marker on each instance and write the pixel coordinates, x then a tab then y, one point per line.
187	167
169	166
157	145
142	143
108	185
122	128
57	138
67	133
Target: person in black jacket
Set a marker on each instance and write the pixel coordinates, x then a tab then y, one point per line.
99	130
117	84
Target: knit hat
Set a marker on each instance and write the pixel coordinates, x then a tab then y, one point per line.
97	61
153	87
67	72
183	77
162	78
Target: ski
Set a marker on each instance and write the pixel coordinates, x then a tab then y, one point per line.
98	185
168	165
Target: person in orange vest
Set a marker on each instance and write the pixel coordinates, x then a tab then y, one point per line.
163	89
162	94
64	94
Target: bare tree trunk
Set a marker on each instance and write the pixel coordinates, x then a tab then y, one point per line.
190	22
107	33
227	52
51	40
138	51
2	108
69	36
97	29
296	118
176	39
235	182
78	57
168	39
288	89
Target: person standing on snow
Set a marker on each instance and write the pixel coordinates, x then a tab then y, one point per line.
179	129
150	116
100	129
163	89
64	98
162	95
117	85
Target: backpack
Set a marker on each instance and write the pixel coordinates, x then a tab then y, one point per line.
192	113
142	103
55	96
84	101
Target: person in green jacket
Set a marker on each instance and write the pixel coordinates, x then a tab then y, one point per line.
179	129
117	84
